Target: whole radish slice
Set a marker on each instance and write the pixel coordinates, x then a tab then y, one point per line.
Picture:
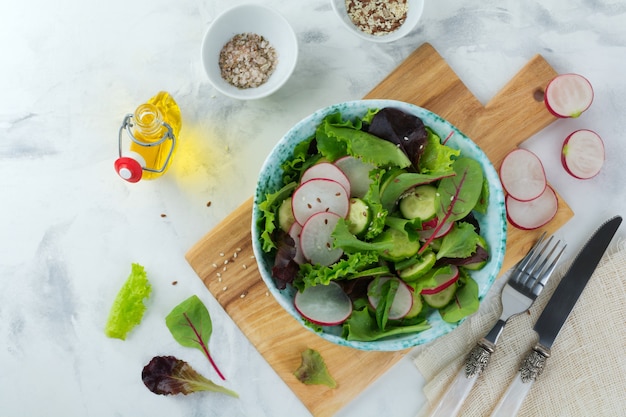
582	155
568	95
294	231
326	305
357	172
326	170
402	301
522	175
528	215
316	241
318	196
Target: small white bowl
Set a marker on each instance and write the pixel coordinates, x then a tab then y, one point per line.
260	20
414	13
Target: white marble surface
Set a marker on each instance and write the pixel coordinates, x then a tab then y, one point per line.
70	228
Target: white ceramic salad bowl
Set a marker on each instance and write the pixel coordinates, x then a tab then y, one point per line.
492	224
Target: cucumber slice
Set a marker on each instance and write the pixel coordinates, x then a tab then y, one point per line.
418	305
359	216
420	268
442	298
419	203
285	215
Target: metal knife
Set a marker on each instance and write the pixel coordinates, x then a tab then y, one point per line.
554	315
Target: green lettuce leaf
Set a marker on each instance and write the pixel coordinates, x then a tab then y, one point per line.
460	242
268	219
361	326
337	138
465	301
128	308
353	266
437	157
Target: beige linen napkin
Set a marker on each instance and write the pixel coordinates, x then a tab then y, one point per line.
586	374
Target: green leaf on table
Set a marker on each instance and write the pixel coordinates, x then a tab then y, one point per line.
167	375
128	308
313	370
190	324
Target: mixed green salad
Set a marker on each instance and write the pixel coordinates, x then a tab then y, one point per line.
376	215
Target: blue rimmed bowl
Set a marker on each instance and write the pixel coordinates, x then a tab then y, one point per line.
492	225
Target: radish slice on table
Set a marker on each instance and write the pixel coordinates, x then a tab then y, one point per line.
522	175
402	302
326	170
358	173
568	95
326	305
583	154
294	231
528	215
316	241
317	196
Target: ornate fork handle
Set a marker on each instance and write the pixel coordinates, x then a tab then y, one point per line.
476	362
532	366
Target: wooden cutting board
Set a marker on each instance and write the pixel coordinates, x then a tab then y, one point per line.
224	259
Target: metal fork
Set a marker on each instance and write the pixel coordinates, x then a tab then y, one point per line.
525	283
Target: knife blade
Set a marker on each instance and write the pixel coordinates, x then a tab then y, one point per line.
555	314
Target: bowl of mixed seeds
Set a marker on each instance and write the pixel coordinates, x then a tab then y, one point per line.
249	51
379	20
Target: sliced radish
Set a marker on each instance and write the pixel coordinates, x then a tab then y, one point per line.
402	302
443	281
317	196
316	240
428	232
326	305
294	231
583	154
522	175
568	95
357	172
326	170
528	215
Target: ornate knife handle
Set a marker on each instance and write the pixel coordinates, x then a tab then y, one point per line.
532	366
456	394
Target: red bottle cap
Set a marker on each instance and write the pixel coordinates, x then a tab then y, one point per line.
128	168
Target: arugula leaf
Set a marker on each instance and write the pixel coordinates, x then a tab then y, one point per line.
167	375
361	326
461	242
313	370
190	324
128	308
465	301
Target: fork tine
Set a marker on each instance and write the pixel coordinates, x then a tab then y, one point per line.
545	274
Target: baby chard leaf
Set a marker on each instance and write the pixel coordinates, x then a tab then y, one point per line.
167	375
190	324
313	371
